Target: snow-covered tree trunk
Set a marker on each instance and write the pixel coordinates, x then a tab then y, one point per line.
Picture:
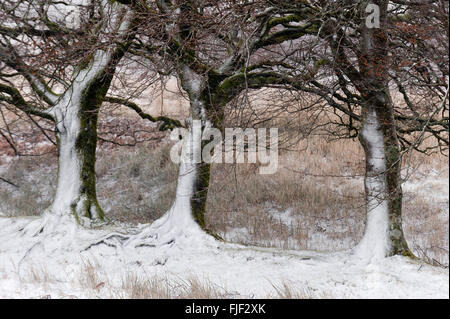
76	184
76	124
76	114
383	234
187	214
198	168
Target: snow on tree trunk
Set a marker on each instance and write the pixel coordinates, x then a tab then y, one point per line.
375	242
187	214
383	234
186	217
184	221
76	122
76	185
180	218
194	175
76	115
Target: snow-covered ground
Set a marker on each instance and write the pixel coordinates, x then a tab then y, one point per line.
60	262
50	263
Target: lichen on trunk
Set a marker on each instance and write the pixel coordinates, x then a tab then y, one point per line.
200	196
76	185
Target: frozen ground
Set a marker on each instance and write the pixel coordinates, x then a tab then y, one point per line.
51	263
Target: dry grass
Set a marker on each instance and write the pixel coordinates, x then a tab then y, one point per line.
36	178
39	275
92	283
284	207
139	287
303	206
147	180
300	206
427	229
90	276
290	291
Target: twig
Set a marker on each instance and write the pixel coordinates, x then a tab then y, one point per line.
8	182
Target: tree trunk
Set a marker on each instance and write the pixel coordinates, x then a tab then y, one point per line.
76	117
188	210
383	234
193	178
187	215
76	186
200	195
77	142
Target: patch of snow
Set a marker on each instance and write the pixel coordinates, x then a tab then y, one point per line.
375	242
193	81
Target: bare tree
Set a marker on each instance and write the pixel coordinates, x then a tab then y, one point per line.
217	51
41	44
361	60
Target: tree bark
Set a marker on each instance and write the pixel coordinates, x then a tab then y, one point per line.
194	174
76	115
76	185
383	234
